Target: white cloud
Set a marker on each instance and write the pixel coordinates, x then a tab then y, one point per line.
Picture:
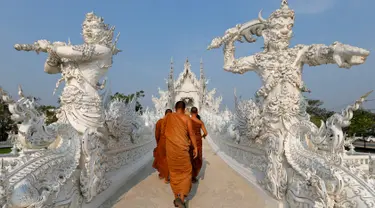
311	6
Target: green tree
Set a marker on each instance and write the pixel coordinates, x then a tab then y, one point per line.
362	124
50	113
317	112
6	123
128	98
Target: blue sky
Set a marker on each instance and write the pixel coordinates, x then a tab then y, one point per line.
152	31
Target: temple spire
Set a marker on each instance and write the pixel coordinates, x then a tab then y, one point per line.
187	65
202	83
171	85
171	72
172	68
202	77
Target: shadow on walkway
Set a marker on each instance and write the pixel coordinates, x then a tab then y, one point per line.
195	186
132	182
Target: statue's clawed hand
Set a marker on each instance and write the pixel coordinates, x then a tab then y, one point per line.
43	44
230	36
346	55
234	33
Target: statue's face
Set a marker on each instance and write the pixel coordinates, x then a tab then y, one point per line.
279	33
92	35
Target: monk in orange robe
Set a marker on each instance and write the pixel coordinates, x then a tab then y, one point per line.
160	155
198	125
180	136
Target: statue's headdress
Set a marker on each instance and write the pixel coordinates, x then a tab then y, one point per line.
255	27
283	12
104	35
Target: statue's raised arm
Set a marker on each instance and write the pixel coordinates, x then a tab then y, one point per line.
84	52
278	65
97	45
238	33
277	32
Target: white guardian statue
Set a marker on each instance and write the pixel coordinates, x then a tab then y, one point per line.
305	177
72	160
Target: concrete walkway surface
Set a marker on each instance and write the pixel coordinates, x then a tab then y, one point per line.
218	186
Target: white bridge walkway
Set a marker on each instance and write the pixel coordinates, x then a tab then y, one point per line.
219	186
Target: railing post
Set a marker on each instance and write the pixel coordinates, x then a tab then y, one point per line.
364	143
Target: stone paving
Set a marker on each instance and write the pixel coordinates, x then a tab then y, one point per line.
218	186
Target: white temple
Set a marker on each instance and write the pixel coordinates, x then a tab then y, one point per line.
98	144
189	89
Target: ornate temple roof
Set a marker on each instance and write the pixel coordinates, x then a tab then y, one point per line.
185	74
202	98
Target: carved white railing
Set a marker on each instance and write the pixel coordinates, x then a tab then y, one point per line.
6	144
247	156
361	159
105	167
123	163
118	158
8	156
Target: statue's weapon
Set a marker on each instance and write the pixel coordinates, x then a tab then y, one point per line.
246	30
35	47
29	47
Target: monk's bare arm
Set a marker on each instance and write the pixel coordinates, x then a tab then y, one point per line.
205	133
191	133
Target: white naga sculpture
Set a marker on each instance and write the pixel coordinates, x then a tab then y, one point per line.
48	159
161	103
305	176
77	143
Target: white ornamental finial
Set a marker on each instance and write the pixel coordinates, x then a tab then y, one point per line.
20	92
284	4
187	66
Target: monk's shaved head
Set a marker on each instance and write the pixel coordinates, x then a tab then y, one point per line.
180	105
194	110
167	111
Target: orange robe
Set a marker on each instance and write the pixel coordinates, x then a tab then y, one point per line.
198	161
178	156
160	156
157	138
